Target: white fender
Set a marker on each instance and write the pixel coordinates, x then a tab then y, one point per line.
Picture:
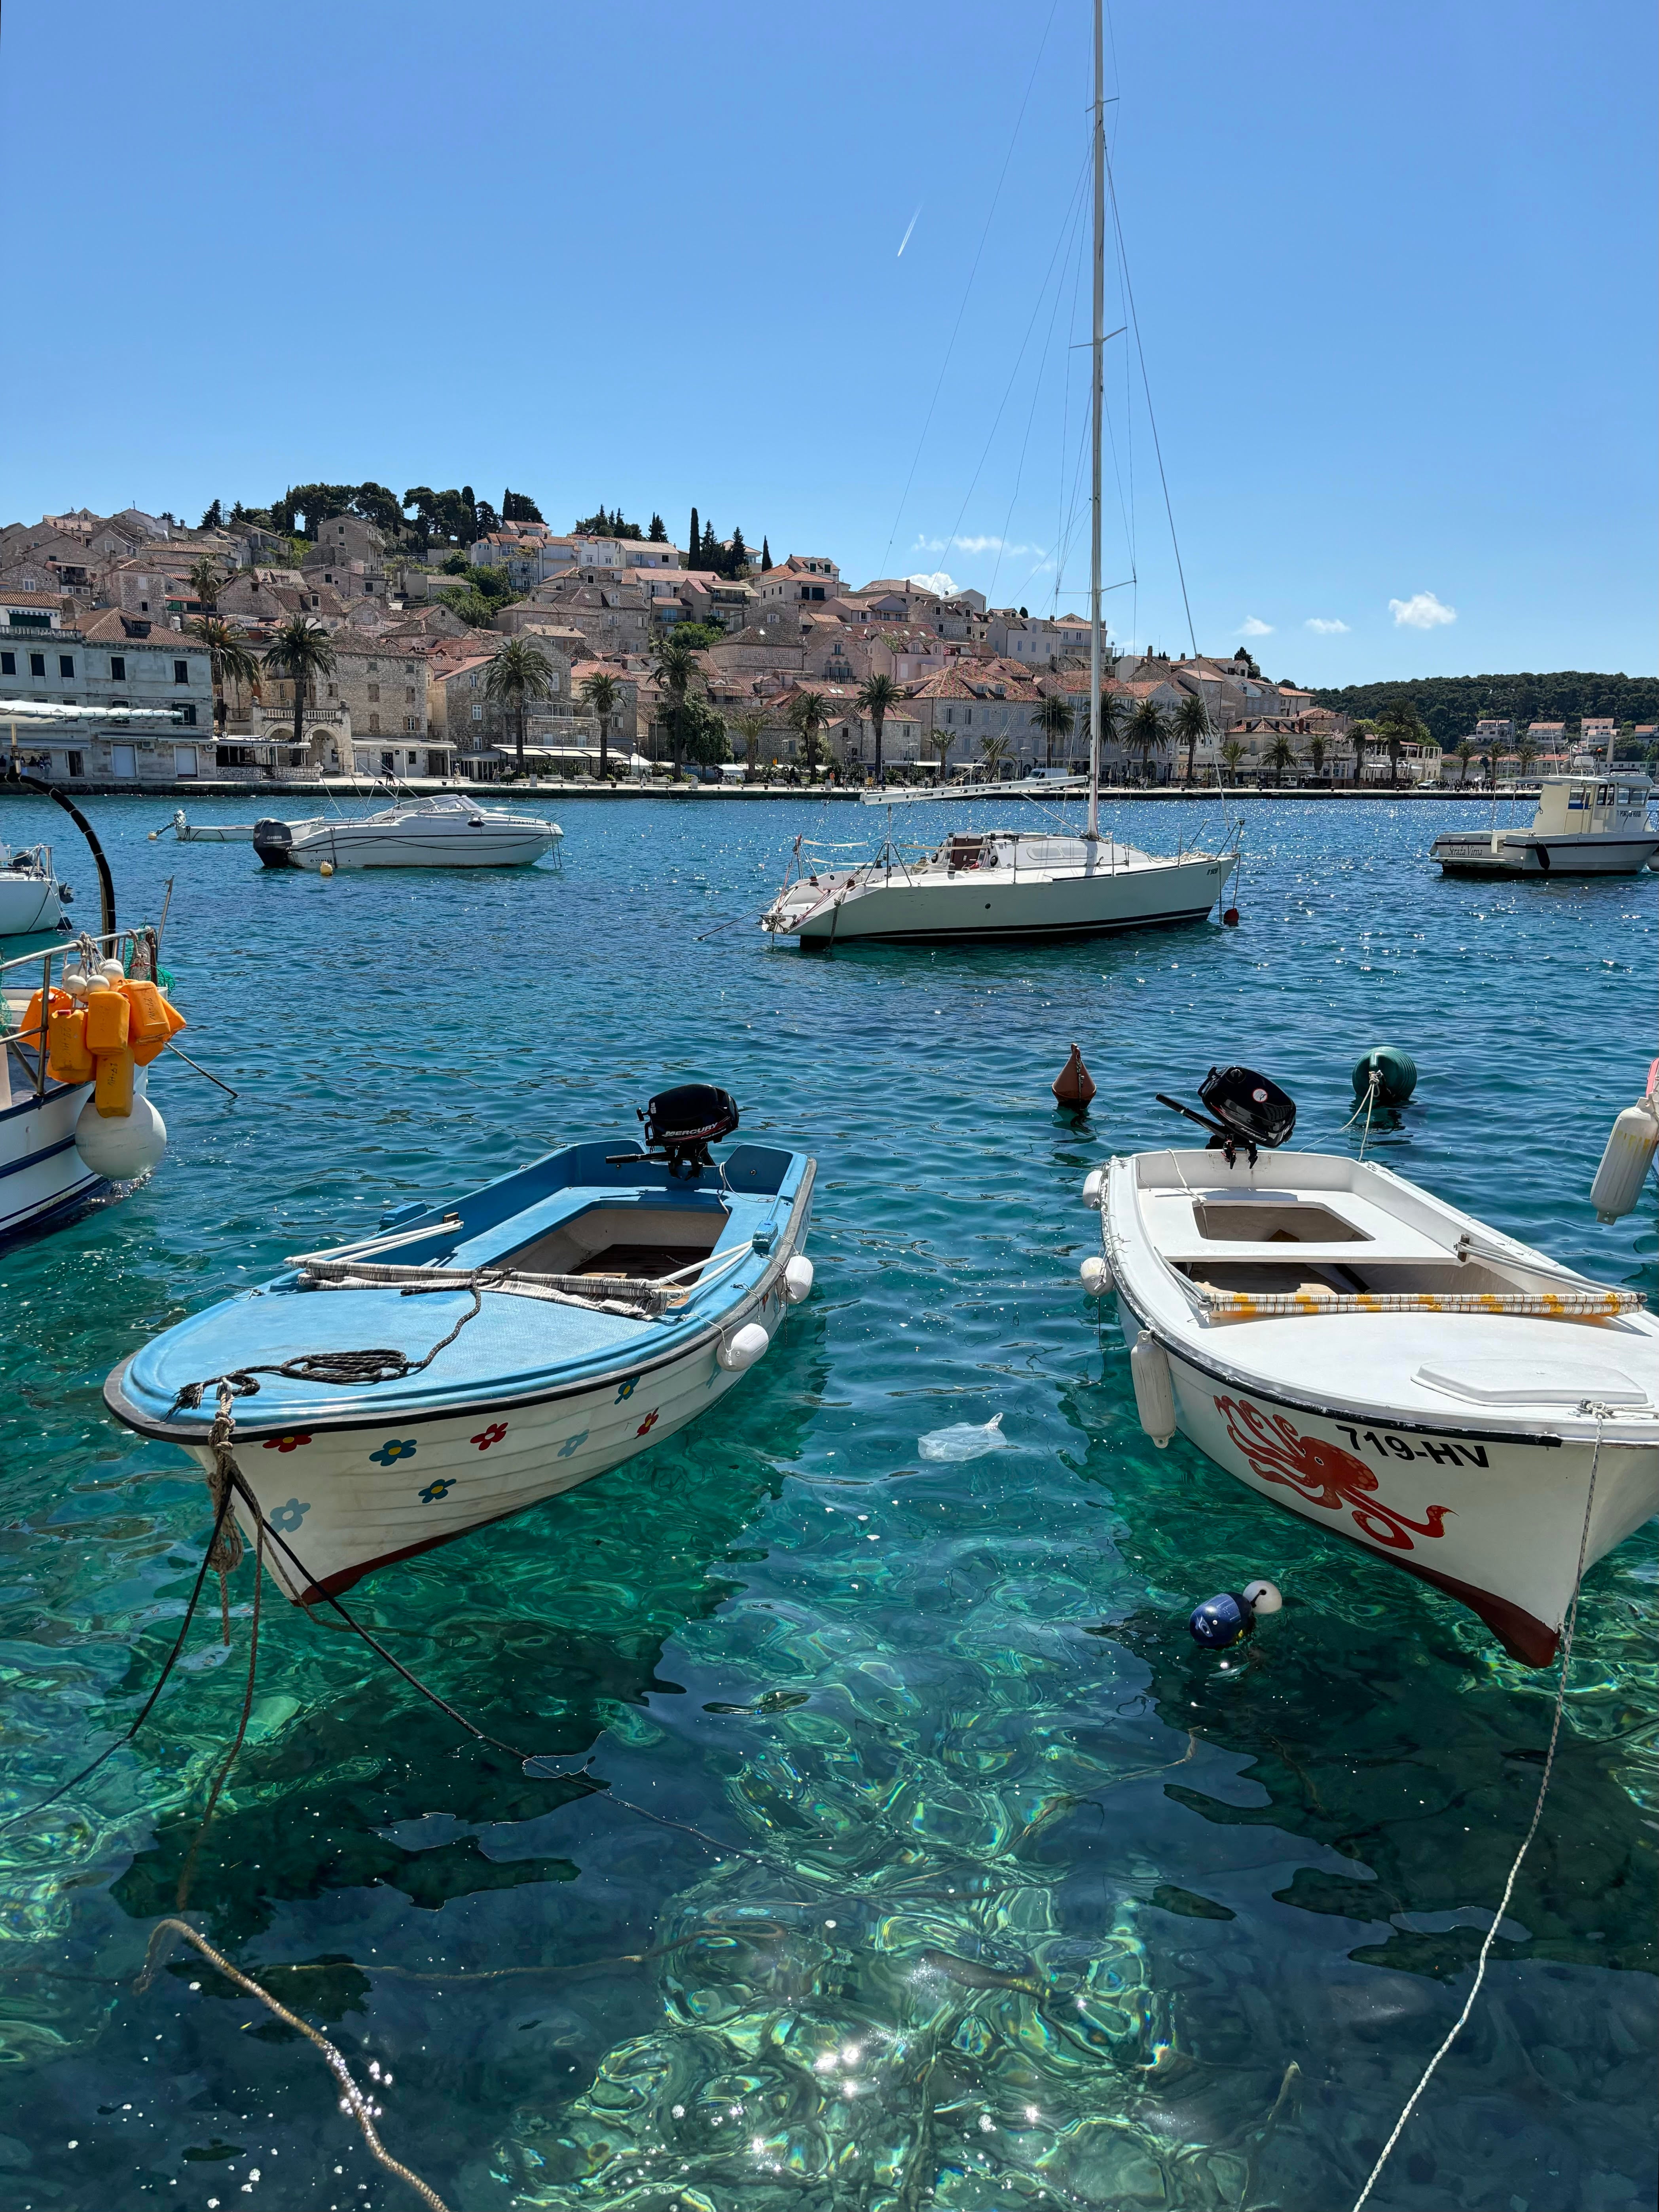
121	1146
1094	1187
743	1347
798	1279
1625	1163
1149	1369
1097	1275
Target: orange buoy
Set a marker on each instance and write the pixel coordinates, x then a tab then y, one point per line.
1074	1086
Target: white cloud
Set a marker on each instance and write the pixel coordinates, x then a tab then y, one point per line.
1421	611
1251	628
1323	628
940	582
928	545
982	544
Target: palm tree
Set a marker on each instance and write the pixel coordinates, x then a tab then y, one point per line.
1054	718
1148	733
1398	728
1316	754
600	695
1114	720
994	750
207	579
1231	753
808	712
1465	755
748	727
877	694
1526	753
1281	755
229	659
941	741
300	653
675	663
520	673
1191	723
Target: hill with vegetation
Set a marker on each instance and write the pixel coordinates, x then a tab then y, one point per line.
1452	705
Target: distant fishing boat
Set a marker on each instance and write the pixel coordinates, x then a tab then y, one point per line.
448	831
1584	825
216	833
1393	1370
536	1333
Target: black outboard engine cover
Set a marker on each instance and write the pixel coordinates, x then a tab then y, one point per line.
1252	1110
272	842
686	1121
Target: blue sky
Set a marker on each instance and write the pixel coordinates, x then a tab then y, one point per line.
1392	269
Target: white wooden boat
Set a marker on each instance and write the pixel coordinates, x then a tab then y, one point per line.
220	832
1584	825
31	897
606	1296
448	831
1390	1369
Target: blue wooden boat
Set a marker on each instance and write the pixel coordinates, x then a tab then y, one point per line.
491	1353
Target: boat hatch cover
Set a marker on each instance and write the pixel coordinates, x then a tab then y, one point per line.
1501	1382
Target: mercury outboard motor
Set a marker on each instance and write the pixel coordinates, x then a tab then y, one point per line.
681	1124
1244	1108
273	841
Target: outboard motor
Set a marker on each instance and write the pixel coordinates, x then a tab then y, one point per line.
272	842
1245	1108
681	1124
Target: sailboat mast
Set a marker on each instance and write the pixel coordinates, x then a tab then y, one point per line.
1097	355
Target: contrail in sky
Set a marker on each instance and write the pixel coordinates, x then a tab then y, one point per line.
905	240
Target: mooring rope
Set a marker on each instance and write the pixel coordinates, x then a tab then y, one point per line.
341	1368
352	2099
1461	2021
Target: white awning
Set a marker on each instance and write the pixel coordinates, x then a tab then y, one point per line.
49	710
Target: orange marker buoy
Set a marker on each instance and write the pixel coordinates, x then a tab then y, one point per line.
1074	1086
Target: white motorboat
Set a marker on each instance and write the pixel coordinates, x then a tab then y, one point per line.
998	884
1018	884
589	1305
218	833
1391	1368
31	897
448	831
1585	825
69	1127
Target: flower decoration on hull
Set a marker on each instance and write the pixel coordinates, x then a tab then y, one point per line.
626	1389
435	1491
646	1425
393	1450
287	1518
1323	1474
492	1434
569	1449
286	1444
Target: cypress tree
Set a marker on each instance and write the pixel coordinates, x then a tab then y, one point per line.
693	543
659	531
766	553
739	560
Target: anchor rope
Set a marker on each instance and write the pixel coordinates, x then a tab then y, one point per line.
1461	2021
352	2099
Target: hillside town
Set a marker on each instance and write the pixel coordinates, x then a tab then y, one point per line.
469	647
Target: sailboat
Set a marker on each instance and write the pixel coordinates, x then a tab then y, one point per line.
998	884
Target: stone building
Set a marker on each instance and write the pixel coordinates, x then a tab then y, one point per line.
107	660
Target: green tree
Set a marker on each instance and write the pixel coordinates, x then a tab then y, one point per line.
993	752
941	740
808	713
520	673
1231	753
518	506
213	518
1191	727
1148	733
750	726
1057	720
602	695
381	505
765	554
1316	754
877	695
1398	726
299	653
229	661
694	541
1281	756
704	732
658	533
207	579
674	659
1113	721
1465	755
1526	753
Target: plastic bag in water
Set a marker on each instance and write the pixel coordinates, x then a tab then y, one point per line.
964	1440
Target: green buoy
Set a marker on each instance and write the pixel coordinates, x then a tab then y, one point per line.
1395	1073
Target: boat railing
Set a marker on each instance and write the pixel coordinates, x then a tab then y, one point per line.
137	949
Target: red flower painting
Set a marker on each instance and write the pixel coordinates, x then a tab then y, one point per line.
1325	1475
492	1434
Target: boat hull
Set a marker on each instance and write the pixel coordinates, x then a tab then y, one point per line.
43	1179
27	903
980	905
1524	855
1494	1523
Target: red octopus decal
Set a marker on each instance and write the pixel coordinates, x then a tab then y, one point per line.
1325	1475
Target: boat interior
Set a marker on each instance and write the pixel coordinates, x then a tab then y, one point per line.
617	1237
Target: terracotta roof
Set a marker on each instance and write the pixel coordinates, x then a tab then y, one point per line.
10	599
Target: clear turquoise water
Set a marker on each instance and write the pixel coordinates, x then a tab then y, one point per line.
1014	1897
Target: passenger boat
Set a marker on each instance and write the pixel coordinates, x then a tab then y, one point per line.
58	1149
1391	1368
534	1334
1016	884
31	897
448	831
1585	825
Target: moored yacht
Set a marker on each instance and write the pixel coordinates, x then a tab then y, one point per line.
448	831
